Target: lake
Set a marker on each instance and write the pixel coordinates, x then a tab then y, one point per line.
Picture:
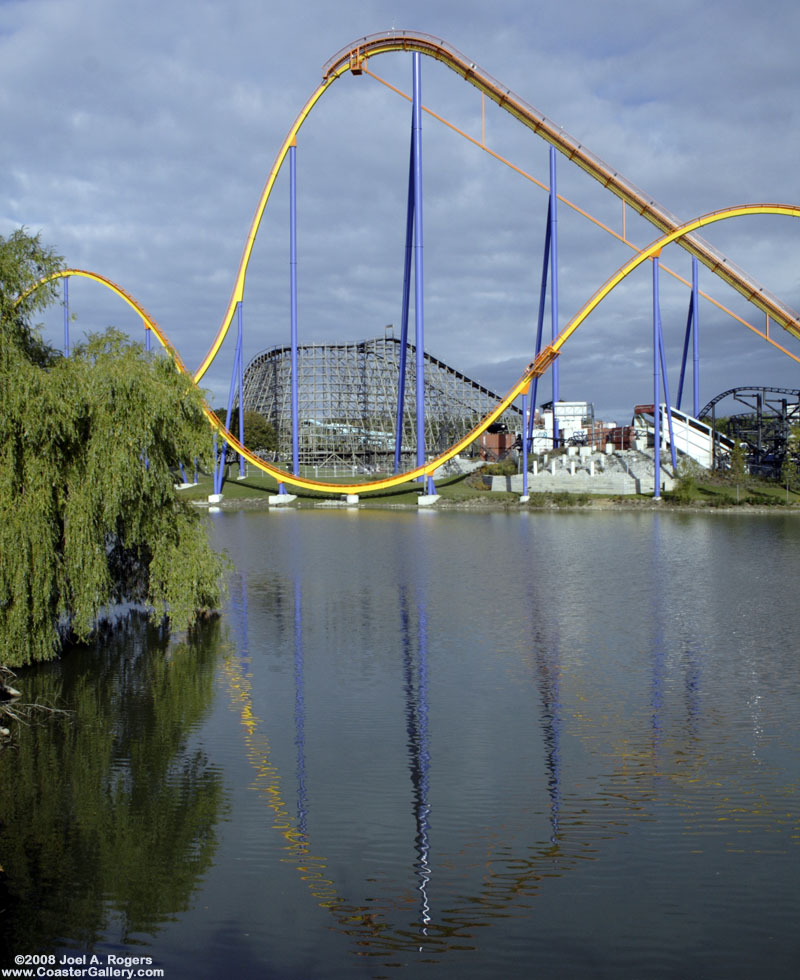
430	743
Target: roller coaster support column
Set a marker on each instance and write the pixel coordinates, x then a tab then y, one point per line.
525	444
240	380
293	277
691	330
66	316
219	458
659	358
540	321
663	359
419	309
695	340
554	281
401	381
656	391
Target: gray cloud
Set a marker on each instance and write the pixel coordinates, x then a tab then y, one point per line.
137	137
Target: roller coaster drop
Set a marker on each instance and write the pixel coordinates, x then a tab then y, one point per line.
354	59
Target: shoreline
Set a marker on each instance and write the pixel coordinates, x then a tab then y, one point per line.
480	504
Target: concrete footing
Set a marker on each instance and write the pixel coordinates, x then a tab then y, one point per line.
281	499
215	498
427	499
351	498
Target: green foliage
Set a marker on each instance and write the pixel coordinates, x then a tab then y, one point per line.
88	513
109	812
259	435
23	262
506	467
686	488
738	461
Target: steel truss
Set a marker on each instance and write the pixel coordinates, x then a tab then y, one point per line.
347	401
766	428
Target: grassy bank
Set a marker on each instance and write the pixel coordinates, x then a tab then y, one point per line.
709	491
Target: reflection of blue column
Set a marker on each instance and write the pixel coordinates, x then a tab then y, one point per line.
657	685
239	616
300	709
416	691
549	693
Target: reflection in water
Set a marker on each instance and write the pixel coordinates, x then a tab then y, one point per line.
108	814
416	692
299	708
548	671
593	728
635	766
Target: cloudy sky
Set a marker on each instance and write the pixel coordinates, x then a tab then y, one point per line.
137	136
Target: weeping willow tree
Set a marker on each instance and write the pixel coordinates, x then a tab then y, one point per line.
88	446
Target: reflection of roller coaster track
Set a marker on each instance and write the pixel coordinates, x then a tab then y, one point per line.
353	58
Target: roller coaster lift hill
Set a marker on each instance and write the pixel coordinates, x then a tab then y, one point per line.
355	58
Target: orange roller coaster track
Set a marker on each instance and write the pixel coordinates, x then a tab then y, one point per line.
353	58
534	370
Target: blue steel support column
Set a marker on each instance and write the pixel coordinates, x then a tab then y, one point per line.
147	338
524	444
240	380
656	391
66	316
419	310
695	341
685	354
540	322
663	359
215	457
554	281
293	277
219	460
401	383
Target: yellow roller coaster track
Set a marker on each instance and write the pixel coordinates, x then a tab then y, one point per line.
534	370
353	58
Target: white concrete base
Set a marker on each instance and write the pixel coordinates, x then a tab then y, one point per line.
427	499
215	498
351	498
525	498
184	486
240	477
281	499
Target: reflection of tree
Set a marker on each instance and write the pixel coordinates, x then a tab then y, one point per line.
107	815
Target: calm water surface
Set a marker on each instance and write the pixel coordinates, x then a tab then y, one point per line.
426	744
